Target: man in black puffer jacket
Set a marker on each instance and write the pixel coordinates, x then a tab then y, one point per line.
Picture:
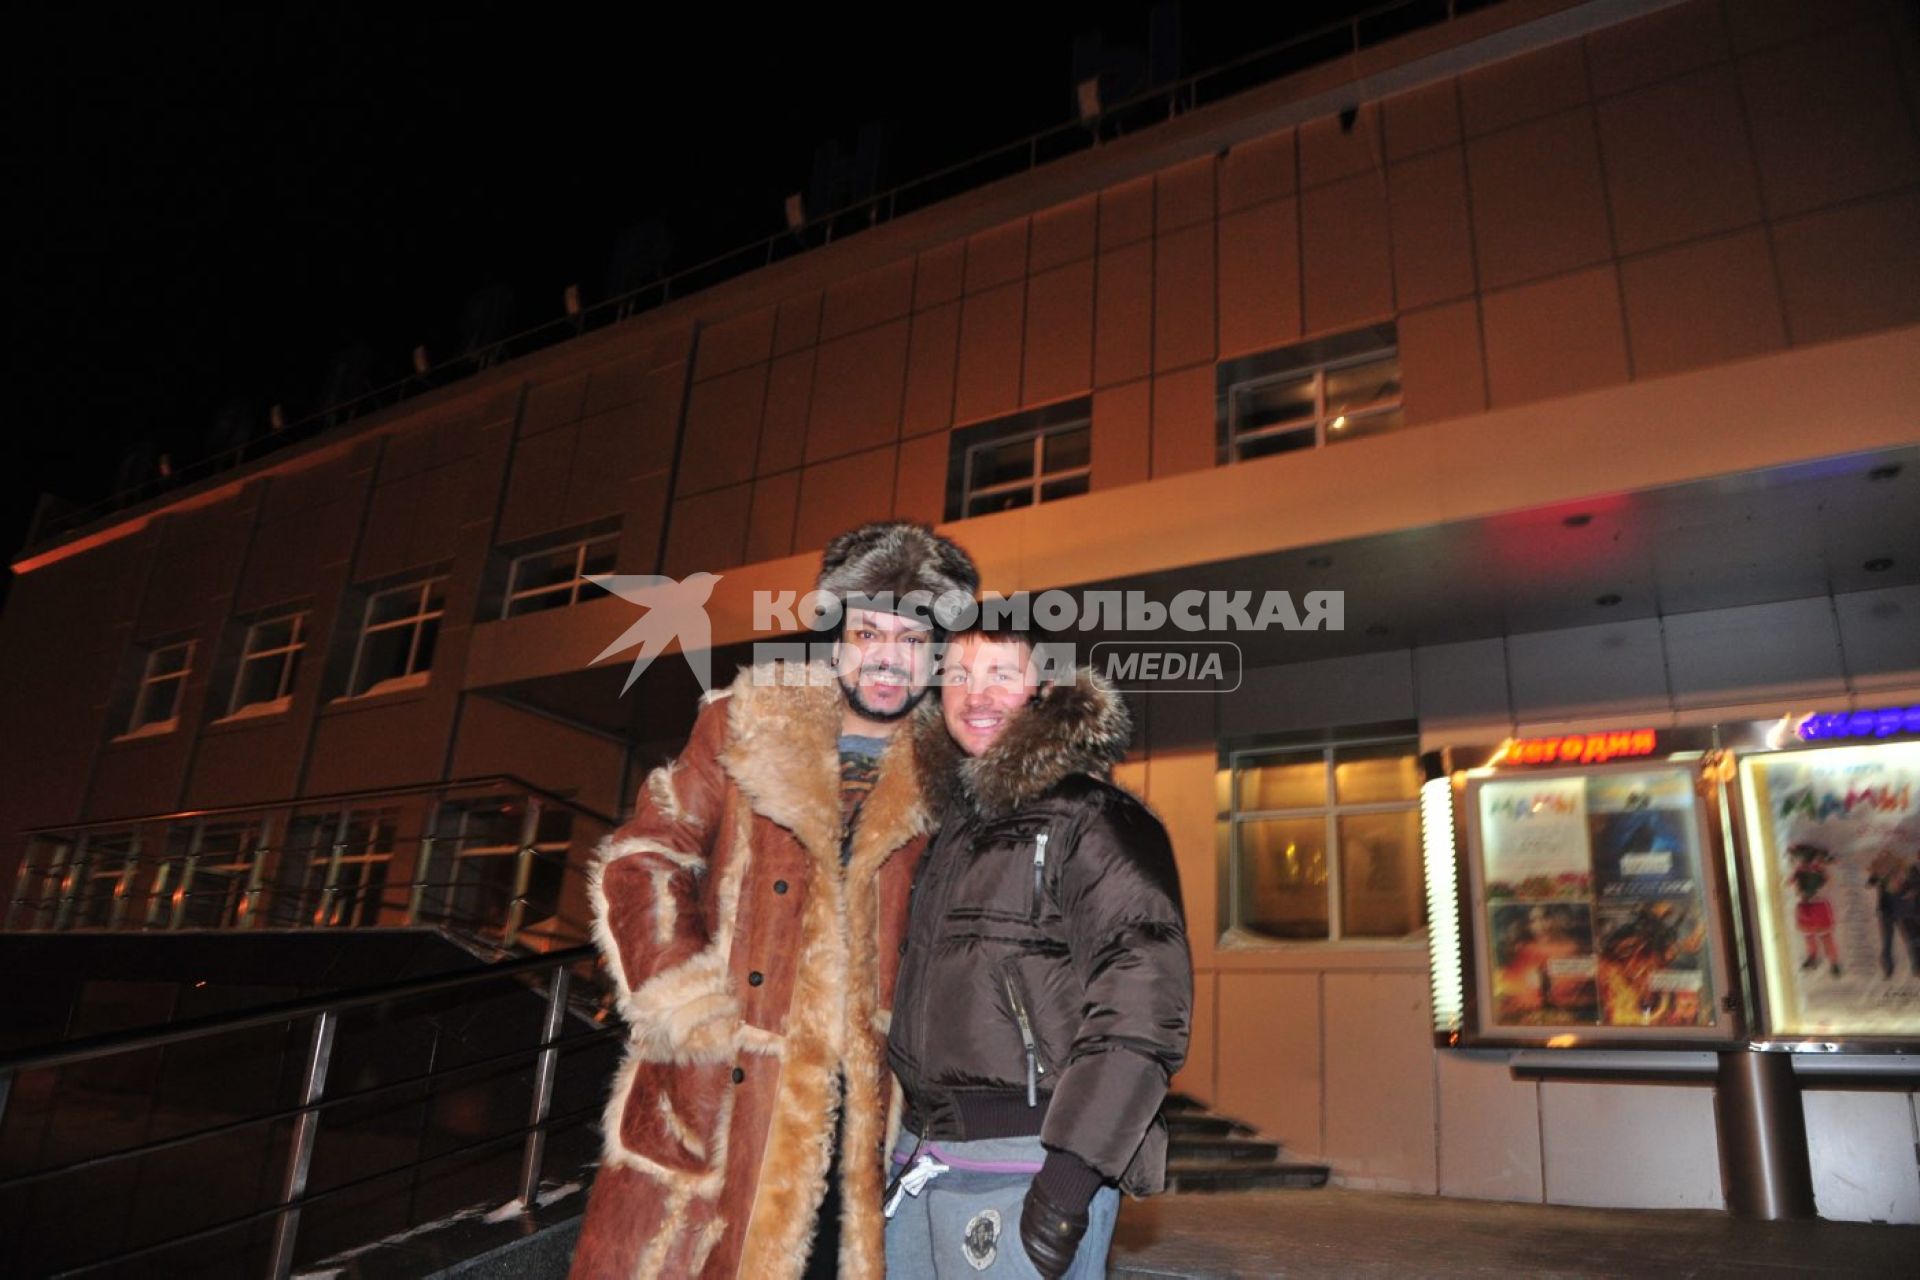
1047	990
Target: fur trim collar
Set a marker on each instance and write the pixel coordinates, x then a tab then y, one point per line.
1082	727
783	727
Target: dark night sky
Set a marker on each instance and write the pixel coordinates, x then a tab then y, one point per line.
206	209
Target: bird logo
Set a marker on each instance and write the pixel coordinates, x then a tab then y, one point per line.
674	612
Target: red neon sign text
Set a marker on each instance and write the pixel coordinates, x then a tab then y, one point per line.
1579	748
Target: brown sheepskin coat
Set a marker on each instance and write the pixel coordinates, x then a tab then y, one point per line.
751	971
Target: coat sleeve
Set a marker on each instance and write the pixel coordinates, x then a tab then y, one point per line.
670	979
1120	894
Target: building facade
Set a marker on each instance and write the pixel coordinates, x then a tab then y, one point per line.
1576	344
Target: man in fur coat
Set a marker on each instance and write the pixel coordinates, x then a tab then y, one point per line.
752	914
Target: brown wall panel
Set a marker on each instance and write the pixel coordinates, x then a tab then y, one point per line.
933	355
1183	298
1257	171
872	297
1063	234
1123	314
1260	277
1059	355
723	429
988	372
841	494
857	387
734	343
997	256
1538	204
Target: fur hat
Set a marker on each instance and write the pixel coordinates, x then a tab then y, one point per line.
893	559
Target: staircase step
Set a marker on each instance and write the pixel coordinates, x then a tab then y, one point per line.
1202	1123
1204	1149
1241	1175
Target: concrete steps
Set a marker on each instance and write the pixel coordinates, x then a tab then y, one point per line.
1211	1152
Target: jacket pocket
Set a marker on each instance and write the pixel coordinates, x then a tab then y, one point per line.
671	1110
1020	1008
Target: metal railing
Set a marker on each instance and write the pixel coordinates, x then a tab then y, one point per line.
1324	44
489	856
315	1100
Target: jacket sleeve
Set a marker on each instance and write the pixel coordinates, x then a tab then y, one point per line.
645	888
1120	894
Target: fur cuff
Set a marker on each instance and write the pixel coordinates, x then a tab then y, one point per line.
687	1014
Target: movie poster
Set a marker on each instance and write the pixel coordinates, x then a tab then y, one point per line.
1534	838
1596	910
1539	881
1834	858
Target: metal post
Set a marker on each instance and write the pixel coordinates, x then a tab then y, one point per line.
262	838
332	884
1763	1136
21	879
543	1072
188	866
124	885
157	891
421	861
313	1082
522	871
76	874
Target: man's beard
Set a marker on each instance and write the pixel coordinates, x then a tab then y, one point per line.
857	700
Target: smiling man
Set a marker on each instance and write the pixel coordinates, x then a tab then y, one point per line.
751	914
1047	991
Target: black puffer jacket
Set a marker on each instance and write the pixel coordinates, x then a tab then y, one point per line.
1047	986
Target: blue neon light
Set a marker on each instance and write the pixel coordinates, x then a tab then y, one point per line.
1884	723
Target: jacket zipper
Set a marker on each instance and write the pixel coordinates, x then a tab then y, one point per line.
1039	871
1034	1068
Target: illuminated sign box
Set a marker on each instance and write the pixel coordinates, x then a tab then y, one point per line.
1576	896
1832	867
1842	726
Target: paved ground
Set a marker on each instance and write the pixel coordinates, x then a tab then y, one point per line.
1335	1232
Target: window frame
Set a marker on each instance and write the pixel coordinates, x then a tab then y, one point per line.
571	587
291	652
1331	810
1315	360
966	444
412	677
1040	478
138	728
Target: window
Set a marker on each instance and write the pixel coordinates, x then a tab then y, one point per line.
1307	397
269	661
397	638
551	579
156	706
1325	841
1022	460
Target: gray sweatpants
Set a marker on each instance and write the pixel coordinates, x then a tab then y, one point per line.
965	1223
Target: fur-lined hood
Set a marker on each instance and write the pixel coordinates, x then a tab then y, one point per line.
1082	727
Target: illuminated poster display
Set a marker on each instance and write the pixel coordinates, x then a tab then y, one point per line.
1833	862
1593	913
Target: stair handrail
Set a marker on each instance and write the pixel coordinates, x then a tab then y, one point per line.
325	1013
329	799
113	1042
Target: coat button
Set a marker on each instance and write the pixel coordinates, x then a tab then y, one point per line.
755	978
738	1075
779	886
903	948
